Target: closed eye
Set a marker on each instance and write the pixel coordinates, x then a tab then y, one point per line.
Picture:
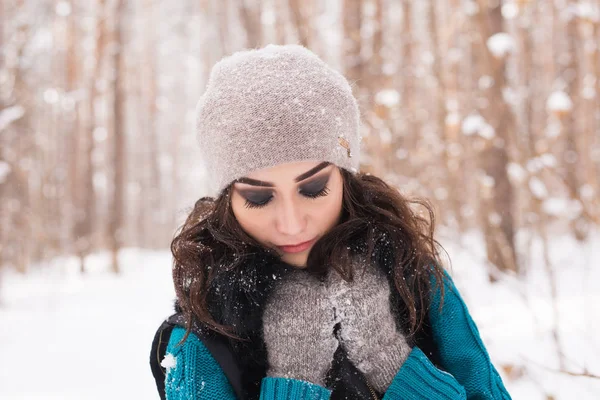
252	204
257	199
324	191
316	188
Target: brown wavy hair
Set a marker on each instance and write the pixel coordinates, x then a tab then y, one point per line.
212	254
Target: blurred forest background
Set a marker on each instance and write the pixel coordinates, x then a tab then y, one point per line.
489	108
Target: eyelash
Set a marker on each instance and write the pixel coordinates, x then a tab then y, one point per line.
321	193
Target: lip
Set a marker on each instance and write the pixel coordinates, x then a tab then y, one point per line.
296	248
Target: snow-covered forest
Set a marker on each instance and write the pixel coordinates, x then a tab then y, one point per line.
489	108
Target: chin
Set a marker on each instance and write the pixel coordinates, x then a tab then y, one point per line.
296	260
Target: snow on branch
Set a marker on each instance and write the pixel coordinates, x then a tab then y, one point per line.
10	115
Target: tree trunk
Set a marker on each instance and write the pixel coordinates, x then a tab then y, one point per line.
408	130
223	27
86	223
298	10
375	81
75	213
496	212
116	228
352	44
352	60
578	145
280	21
153	187
21	243
451	172
251	21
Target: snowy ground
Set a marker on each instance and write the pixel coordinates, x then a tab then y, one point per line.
515	318
66	336
71	337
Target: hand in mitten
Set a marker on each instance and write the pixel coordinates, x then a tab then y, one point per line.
368	330
298	329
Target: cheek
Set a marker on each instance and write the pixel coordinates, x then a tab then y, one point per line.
249	219
327	213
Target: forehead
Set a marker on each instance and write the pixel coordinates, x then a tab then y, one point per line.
287	171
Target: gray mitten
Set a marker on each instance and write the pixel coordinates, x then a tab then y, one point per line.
368	330
298	329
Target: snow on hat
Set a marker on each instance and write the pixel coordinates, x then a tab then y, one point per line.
271	106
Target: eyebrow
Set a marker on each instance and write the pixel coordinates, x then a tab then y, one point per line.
301	177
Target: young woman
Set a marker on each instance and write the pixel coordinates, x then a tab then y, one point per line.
302	278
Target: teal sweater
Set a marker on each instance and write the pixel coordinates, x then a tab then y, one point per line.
470	373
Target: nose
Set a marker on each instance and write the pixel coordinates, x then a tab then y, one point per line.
290	220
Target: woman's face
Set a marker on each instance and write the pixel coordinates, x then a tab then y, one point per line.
289	207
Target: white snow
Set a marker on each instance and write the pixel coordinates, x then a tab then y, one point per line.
510	96
440	193
549	160
9	115
515	318
100	134
534	165
472	124
488	181
4	171
62	331
494	219
538	188
476	124
470	8
389	68
485	82
63	8
388	97
169	361
268	17
553	129
587	192
51	96
452	119
516	172
385	135
587	10
501	44
100	180
562	207
510	10
487	131
401	153
559	101
588	93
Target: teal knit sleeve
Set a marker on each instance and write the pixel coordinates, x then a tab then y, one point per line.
461	350
419	379
291	389
468	372
192	372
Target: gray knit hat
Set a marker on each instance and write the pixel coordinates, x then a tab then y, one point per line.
271	106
